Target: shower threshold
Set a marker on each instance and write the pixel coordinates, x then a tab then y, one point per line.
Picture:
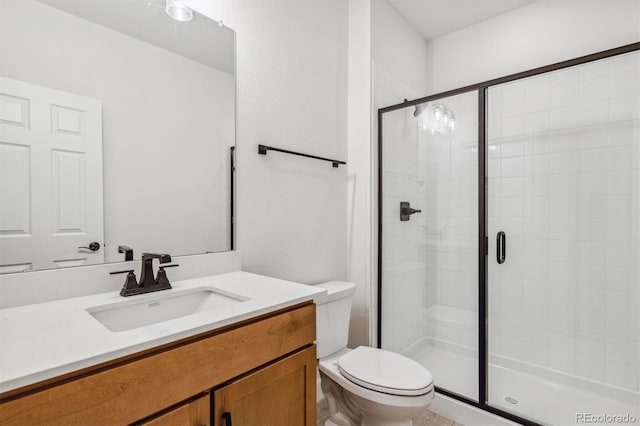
547	398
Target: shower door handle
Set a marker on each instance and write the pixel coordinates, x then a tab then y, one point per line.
501	247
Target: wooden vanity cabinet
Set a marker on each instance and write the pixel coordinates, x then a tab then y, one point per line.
262	371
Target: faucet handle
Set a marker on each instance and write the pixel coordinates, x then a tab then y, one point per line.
173	265
130	286
121	272
161	280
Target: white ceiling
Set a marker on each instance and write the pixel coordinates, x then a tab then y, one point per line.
434	18
201	39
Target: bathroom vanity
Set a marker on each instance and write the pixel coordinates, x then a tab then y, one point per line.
252	362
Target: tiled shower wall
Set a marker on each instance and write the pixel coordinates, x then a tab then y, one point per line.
564	185
430	262
404	294
448	226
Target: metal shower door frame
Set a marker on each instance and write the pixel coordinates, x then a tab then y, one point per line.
483	241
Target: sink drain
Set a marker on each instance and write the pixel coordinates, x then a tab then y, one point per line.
511	400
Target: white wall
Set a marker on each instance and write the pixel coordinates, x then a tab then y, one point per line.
360	155
291	93
400	59
397	47
537	34
167	120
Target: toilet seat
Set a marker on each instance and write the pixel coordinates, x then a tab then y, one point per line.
384	371
328	366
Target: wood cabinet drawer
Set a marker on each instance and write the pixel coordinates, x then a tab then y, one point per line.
140	388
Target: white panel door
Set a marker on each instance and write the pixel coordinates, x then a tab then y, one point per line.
50	178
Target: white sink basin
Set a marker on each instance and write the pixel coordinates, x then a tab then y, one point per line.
153	308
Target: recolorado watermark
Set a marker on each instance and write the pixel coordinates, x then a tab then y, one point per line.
603	418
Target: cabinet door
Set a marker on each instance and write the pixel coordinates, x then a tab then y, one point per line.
281	394
194	413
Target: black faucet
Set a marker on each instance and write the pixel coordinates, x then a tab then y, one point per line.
128	252
146	276
147	281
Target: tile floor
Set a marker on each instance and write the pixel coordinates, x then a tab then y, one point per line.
429	418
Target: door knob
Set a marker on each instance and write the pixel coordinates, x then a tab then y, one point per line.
406	211
94	246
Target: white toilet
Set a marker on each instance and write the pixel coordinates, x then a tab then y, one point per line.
364	386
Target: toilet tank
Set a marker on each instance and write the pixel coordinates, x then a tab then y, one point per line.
333	312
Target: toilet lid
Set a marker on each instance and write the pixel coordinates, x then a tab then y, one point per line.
384	371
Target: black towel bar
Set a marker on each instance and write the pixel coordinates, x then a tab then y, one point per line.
262	149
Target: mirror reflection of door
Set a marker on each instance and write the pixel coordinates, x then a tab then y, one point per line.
50	178
167	96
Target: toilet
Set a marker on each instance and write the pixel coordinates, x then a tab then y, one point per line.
364	386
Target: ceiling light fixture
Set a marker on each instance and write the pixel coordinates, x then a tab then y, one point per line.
178	11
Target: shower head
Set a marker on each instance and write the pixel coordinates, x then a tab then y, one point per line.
419	109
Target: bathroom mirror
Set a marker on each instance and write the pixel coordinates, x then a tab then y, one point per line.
117	127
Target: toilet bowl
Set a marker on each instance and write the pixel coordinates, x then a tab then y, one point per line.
364	386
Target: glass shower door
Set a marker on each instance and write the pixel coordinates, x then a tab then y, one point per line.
564	232
429	191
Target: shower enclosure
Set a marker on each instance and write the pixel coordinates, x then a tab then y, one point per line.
509	240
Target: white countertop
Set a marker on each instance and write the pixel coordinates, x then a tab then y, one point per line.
45	340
